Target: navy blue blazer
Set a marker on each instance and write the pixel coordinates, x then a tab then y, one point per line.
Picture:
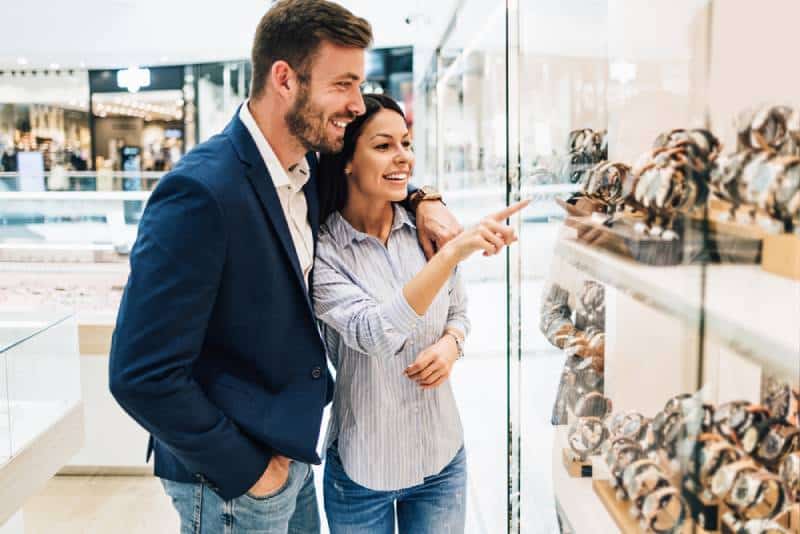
216	351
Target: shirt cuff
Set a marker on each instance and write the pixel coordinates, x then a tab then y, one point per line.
400	315
458	325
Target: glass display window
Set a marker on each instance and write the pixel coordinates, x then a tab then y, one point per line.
652	302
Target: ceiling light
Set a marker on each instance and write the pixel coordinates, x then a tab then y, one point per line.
55	66
164	59
22	61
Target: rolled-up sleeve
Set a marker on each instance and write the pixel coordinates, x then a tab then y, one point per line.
457	312
378	329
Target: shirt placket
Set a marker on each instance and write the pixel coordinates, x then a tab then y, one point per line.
418	395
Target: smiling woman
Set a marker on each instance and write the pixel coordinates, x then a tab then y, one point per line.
393	334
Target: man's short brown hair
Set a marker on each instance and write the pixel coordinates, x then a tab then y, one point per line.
292	31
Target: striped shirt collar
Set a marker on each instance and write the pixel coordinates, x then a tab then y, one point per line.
344	234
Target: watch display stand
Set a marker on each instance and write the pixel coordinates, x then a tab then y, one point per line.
781	255
622	514
623	237
576	467
706	511
780	252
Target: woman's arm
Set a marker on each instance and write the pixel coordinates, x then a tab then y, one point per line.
490	236
364	324
382	328
434	364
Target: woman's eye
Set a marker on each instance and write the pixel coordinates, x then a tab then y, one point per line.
408	145
382	146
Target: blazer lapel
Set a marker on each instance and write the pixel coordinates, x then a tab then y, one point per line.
262	184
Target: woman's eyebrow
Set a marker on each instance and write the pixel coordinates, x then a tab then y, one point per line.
386	135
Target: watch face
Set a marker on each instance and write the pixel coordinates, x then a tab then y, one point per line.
750	439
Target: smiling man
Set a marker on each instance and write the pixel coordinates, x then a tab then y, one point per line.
216	351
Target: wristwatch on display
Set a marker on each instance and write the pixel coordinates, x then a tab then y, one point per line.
757	495
769	443
761	526
593	404
790	474
426	192
586	435
713	456
663	511
725	478
641	478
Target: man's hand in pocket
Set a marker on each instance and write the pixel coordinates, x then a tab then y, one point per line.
273	479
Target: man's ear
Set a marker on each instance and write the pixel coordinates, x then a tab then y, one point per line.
282	78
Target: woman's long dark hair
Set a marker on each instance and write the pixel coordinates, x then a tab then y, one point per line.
331	181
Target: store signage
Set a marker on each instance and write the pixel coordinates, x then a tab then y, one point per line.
133	78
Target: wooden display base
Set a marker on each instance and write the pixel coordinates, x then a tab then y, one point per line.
620	511
576	468
623	239
790	518
780	251
781	255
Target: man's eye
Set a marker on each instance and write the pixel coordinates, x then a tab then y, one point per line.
344	85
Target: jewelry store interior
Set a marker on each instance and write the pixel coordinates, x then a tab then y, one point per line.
634	360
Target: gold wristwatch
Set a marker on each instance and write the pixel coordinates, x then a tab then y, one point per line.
426	192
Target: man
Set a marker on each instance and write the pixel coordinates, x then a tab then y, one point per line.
216	350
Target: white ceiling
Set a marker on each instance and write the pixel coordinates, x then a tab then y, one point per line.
115	33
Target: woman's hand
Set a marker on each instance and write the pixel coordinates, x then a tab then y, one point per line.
490	235
433	365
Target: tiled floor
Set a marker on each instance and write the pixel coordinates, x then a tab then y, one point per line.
138	505
100	505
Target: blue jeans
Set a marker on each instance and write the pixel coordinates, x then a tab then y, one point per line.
290	510
437	506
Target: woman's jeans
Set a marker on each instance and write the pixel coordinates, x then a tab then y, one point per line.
437	506
291	509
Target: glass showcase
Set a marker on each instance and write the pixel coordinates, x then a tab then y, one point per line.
650	314
40	374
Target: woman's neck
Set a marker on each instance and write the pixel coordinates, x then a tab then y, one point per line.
368	215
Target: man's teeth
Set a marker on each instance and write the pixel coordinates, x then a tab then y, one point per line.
340	124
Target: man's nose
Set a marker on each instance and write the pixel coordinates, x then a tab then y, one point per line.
356	105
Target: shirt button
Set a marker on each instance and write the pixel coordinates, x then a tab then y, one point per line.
316	372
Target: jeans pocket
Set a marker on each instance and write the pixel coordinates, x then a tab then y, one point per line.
289	477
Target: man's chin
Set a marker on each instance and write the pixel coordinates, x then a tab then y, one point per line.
330	147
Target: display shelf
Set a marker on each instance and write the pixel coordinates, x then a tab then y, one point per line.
30	468
575	497
754	312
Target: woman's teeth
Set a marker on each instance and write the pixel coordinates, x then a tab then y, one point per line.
399	176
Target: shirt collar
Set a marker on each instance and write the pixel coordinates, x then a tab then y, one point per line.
344	234
298	173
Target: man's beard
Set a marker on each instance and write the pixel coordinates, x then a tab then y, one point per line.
309	126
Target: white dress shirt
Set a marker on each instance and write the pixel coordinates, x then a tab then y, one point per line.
289	185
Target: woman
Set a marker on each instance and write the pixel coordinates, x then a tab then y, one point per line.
393	334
